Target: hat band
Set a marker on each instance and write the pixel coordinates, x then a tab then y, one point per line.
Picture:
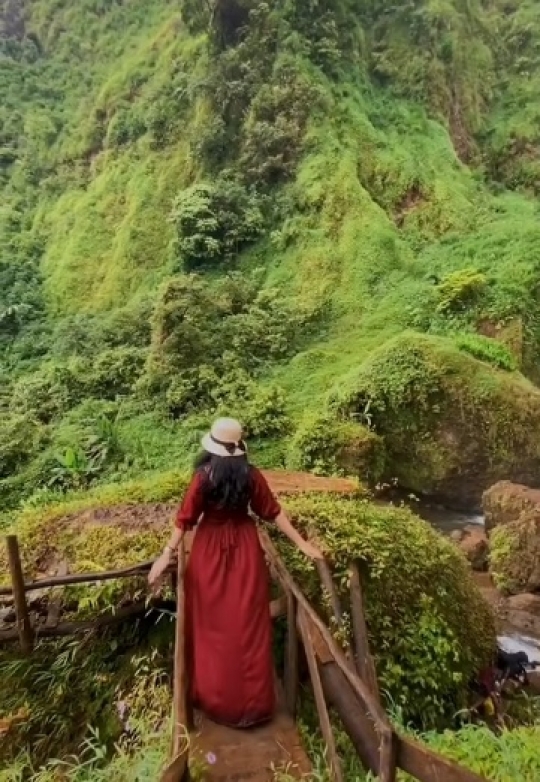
229	447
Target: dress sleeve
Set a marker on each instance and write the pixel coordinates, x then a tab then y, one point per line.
262	501
192	505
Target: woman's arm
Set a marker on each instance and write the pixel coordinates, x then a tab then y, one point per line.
309	549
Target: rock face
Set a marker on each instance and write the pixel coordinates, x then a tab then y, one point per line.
515	554
452	425
475	546
506	501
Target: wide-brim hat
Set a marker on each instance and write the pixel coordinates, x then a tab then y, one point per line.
225	438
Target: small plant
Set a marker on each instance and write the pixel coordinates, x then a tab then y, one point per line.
489	350
460	289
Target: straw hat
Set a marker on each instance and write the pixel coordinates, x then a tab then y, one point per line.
225	438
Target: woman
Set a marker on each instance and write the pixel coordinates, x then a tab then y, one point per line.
228	624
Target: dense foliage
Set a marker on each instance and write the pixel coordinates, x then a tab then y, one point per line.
324	146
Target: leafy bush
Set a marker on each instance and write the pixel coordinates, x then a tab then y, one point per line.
326	445
429	627
20	438
47	393
489	350
114	372
214	222
460	289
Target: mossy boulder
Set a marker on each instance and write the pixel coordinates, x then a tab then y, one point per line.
515	554
429	627
327	445
506	501
452	424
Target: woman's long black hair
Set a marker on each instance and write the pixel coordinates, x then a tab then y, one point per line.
226	480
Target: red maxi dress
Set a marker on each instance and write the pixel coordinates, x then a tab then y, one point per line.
228	623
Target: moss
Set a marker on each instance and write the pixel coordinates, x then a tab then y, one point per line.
452	425
430	629
326	445
515	554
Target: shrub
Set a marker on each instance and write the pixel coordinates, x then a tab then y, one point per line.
489	350
459	289
47	393
214	222
20	438
114	372
326	445
429	627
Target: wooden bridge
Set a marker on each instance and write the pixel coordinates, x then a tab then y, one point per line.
343	679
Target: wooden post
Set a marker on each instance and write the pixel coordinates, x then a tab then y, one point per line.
178	767
324	719
364	661
328	584
24	627
387	756
291	656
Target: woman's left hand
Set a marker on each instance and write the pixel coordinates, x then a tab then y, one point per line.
311	550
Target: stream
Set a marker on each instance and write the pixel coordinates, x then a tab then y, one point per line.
448	521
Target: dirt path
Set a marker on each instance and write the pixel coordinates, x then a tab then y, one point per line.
134	517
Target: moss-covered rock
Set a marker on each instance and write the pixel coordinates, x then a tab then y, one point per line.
327	445
452	425
430	629
506	501
515	554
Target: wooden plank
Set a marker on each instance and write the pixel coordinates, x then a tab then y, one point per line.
427	766
324	719
82	578
24	627
291	657
364	660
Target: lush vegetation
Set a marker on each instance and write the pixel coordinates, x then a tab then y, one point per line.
319	217
230	210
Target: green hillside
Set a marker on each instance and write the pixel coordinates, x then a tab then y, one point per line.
260	208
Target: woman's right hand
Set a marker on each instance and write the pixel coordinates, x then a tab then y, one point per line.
158	569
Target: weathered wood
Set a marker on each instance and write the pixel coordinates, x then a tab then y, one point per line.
364	661
181	684
82	578
328	584
387	756
24	627
427	766
411	756
324	719
366	698
291	657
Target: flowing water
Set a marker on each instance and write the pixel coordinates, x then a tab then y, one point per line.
448	521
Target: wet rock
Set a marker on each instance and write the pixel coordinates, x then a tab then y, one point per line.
505	502
526	603
475	546
515	554
457	535
7	615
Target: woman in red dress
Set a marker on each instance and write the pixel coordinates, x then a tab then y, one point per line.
228	623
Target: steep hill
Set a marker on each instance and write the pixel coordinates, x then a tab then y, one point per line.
235	204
